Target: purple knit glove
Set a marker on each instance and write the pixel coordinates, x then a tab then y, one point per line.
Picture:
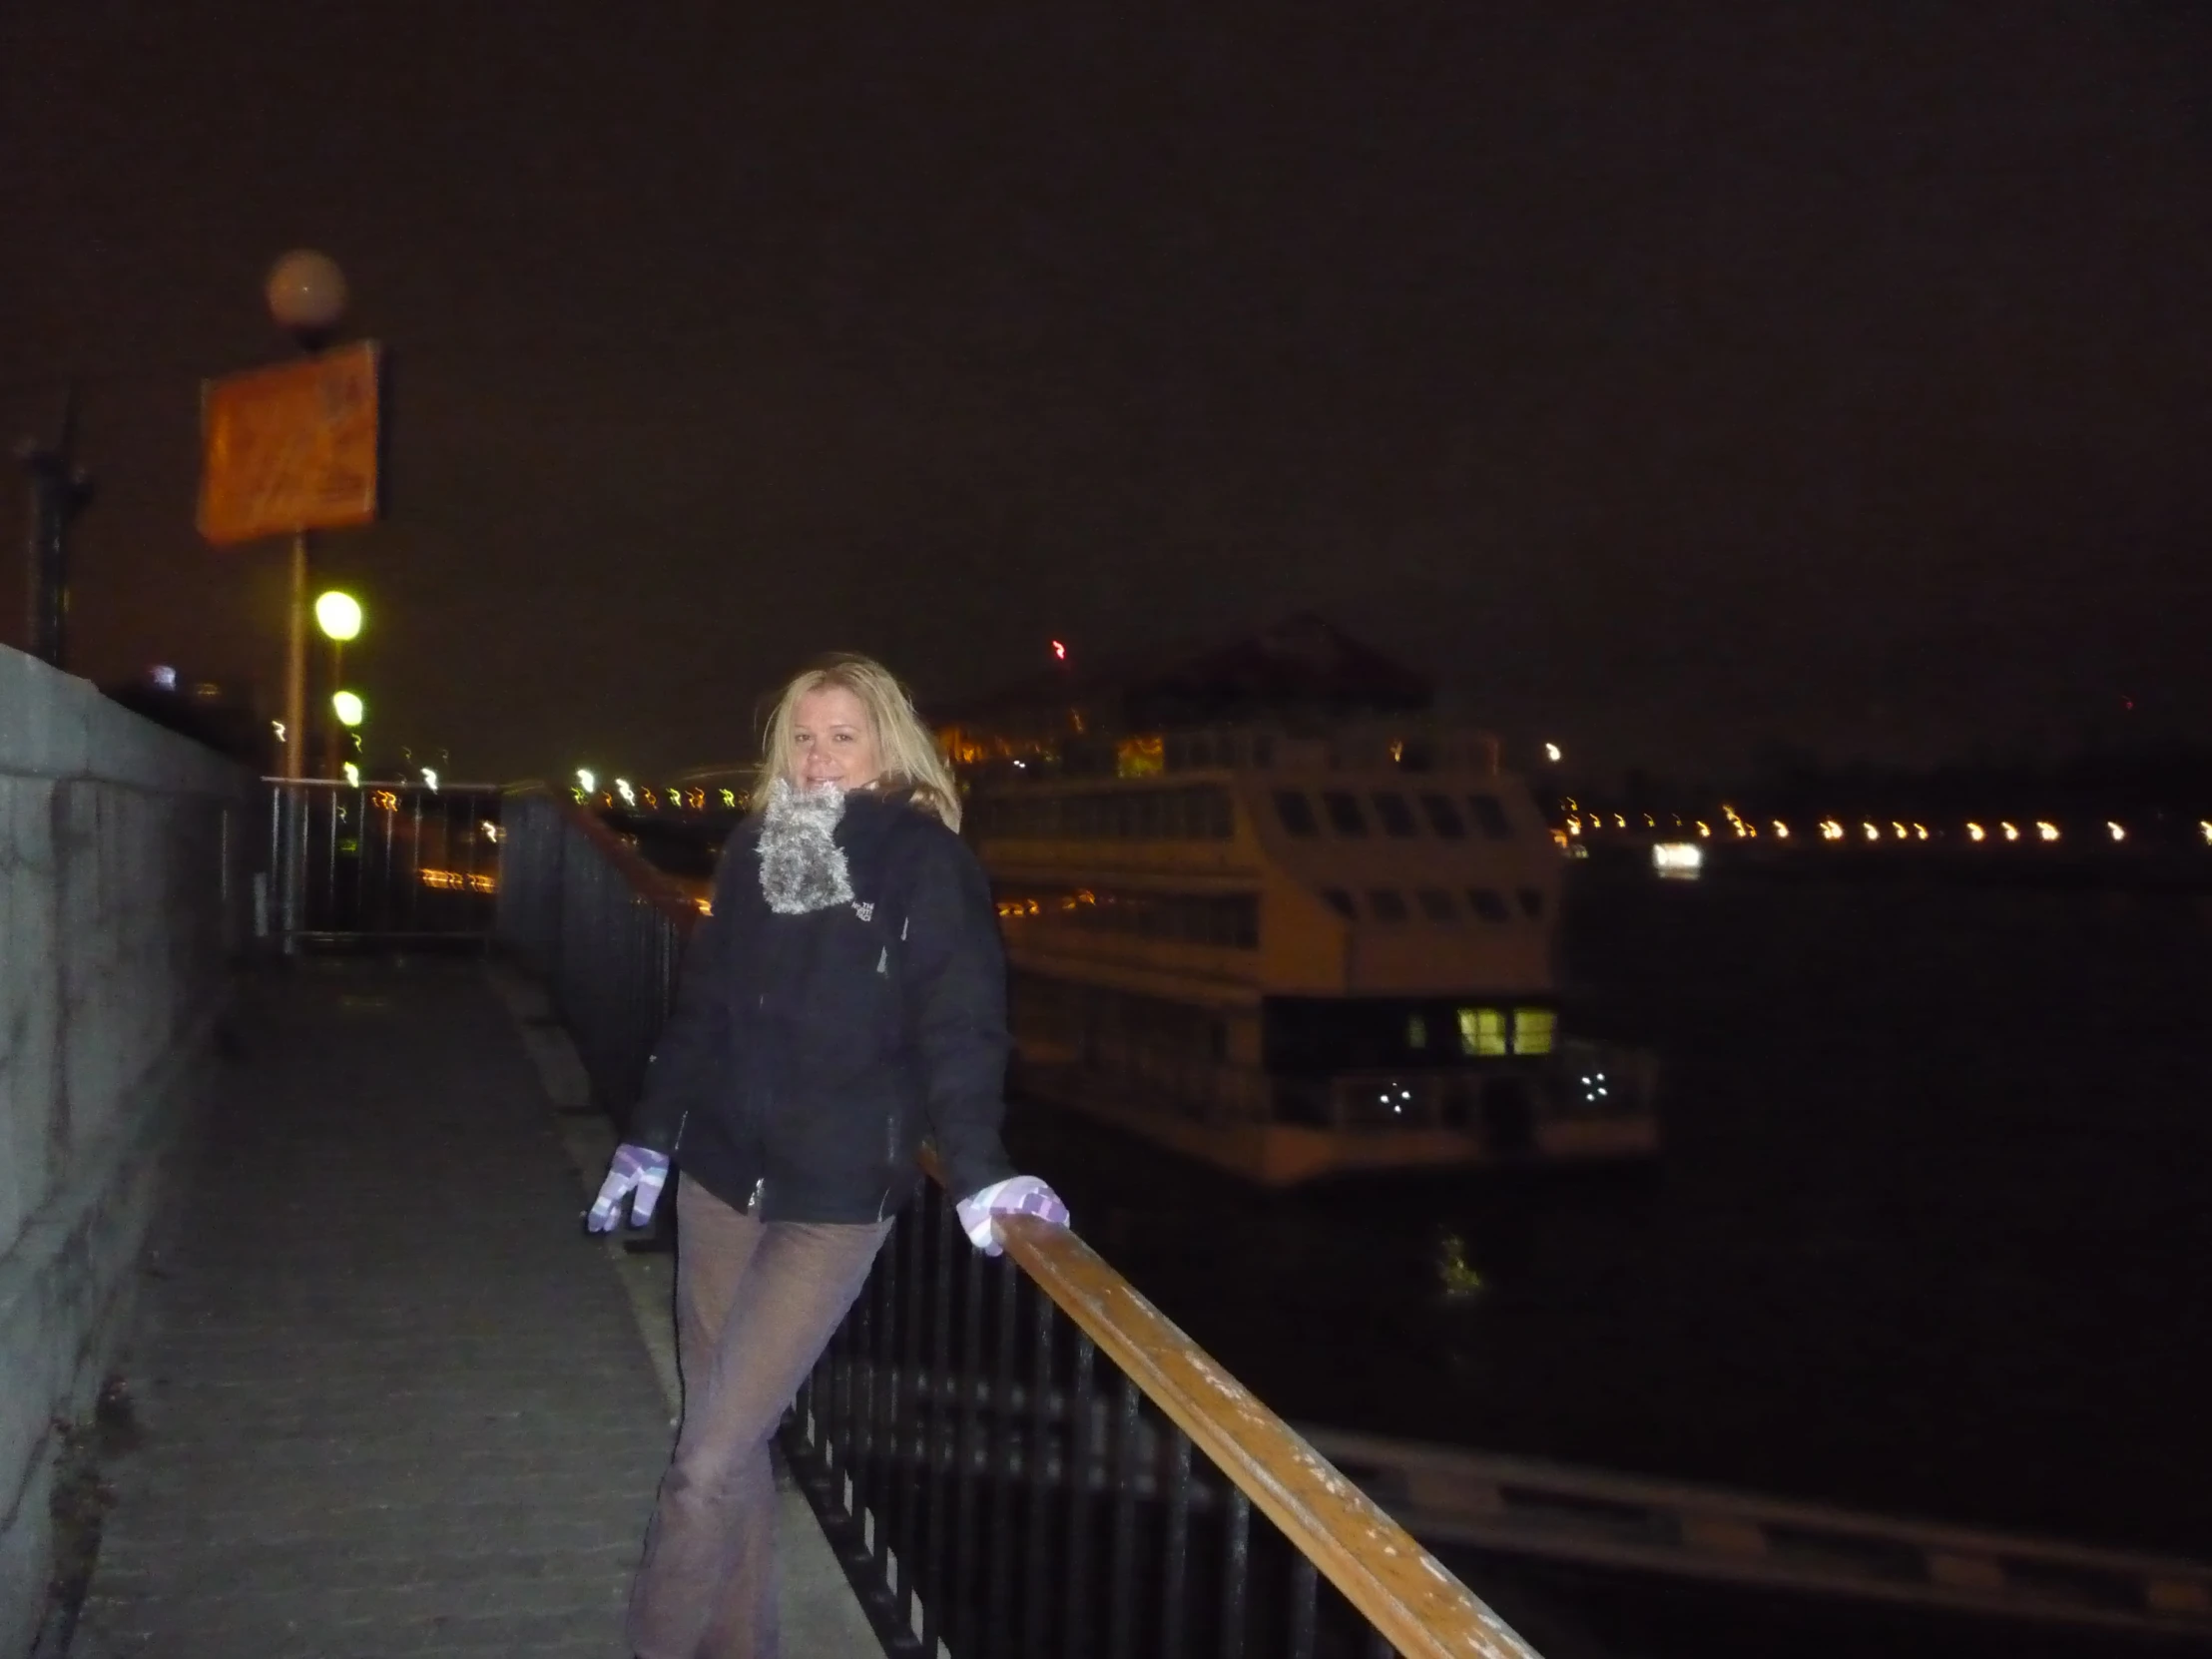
1019	1195
638	1174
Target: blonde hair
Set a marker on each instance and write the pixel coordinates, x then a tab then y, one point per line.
909	754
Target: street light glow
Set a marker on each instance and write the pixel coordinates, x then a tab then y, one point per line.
348	707
430	777
586	781
338	615
306	294
1551	752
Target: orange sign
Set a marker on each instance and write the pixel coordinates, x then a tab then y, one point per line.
291	449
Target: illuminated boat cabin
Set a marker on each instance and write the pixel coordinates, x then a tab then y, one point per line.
1259	909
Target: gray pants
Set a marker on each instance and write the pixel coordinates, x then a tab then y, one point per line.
755	1304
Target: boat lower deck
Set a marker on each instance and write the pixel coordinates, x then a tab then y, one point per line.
1274	1153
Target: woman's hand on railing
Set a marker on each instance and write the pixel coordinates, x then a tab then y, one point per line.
638	1172
1019	1195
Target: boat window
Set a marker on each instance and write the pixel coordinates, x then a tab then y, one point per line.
1220	822
1532	1030
1444	816
1296	811
1341	903
1482	1031
1345	816
1387	903
1417	1032
1491	816
1532	901
1396	817
1435	905
1230	921
1487	903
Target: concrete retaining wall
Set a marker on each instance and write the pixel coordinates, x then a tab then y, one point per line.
121	859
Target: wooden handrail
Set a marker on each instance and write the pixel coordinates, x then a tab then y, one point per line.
1402	1590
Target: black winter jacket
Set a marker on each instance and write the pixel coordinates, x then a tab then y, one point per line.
808	1056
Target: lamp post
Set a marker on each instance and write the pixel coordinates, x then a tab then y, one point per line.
338	615
306	297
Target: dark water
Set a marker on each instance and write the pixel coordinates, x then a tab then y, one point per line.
1929	1235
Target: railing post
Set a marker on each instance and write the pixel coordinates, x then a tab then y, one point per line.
1005	1443
1040	1478
1235	1565
1121	1610
1079	1498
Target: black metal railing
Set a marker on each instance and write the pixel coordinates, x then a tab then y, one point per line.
600	927
1019	1455
393	862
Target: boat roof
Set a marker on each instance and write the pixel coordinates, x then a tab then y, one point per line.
1300	666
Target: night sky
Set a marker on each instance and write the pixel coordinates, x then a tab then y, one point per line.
1669	378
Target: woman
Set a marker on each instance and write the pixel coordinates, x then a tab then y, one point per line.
845	999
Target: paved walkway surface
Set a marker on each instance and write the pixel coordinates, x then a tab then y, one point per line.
392	1401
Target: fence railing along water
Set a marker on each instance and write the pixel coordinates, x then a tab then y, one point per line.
1019	1455
393	862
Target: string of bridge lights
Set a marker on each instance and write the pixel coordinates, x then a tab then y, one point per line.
1733	825
1581	824
677	797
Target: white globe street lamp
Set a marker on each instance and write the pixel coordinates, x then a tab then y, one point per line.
306	296
338	615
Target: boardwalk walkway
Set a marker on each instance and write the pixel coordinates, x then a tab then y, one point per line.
392	1401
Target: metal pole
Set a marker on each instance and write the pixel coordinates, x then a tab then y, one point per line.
295	667
59	492
294	850
44	558
327	713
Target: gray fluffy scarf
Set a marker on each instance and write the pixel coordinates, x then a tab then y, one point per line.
801	868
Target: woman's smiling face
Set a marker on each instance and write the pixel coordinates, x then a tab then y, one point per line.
832	741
